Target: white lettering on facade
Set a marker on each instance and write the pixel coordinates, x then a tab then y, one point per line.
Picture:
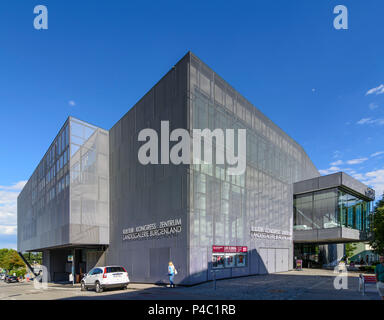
164	228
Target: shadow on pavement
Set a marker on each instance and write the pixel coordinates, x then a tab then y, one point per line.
260	287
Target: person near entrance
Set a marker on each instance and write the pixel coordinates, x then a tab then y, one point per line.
380	277
171	273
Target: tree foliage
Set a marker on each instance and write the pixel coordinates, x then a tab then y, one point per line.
10	259
377	243
350	249
33	257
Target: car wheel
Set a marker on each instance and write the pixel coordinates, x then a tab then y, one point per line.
83	287
99	289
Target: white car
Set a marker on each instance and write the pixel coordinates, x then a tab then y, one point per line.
101	278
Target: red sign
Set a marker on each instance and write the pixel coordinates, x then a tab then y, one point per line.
229	249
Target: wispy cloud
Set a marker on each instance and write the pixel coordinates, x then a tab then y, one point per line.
377	90
377	153
371	121
8	207
7	230
329	170
357	161
337	163
72	103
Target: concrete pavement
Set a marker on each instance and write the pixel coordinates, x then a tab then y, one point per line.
309	284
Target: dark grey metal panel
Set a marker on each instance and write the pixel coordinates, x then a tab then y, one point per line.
330	181
331	235
146	194
338	179
304	186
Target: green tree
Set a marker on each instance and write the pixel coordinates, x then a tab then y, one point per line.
32	257
377	243
10	259
350	249
3	255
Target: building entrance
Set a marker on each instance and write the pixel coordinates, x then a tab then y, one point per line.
310	254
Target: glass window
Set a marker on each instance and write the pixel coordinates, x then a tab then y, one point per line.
230	260
241	260
218	261
205	84
114	269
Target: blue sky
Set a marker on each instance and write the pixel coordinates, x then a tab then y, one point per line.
322	86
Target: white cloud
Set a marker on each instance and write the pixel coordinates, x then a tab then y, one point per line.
17	186
8	207
364	121
72	103
337	163
357	161
371	121
376	180
7	230
329	170
377	153
377	90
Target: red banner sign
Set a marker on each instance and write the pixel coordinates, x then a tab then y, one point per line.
229	249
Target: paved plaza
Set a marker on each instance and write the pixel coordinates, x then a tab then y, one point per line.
309	284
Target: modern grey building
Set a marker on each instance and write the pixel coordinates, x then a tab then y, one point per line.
112	209
63	209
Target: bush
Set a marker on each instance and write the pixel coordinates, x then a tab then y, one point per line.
370	269
19	272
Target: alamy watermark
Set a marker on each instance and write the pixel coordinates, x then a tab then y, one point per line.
341	280
41	280
41	20
188	149
341	20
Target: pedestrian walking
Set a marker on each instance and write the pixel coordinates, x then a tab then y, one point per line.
380	277
171	273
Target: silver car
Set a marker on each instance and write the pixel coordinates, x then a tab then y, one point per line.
100	278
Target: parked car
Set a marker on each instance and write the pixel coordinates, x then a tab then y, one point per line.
100	278
11	279
2	276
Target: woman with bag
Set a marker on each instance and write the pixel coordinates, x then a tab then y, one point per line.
171	273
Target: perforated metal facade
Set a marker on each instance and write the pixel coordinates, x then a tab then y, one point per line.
66	200
215	208
112	199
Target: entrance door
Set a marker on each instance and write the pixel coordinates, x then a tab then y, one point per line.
271	267
281	260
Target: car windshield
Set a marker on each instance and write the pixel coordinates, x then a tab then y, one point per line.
114	269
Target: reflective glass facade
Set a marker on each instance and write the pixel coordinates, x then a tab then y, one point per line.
331	208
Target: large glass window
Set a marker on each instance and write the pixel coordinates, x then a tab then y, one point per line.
329	209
